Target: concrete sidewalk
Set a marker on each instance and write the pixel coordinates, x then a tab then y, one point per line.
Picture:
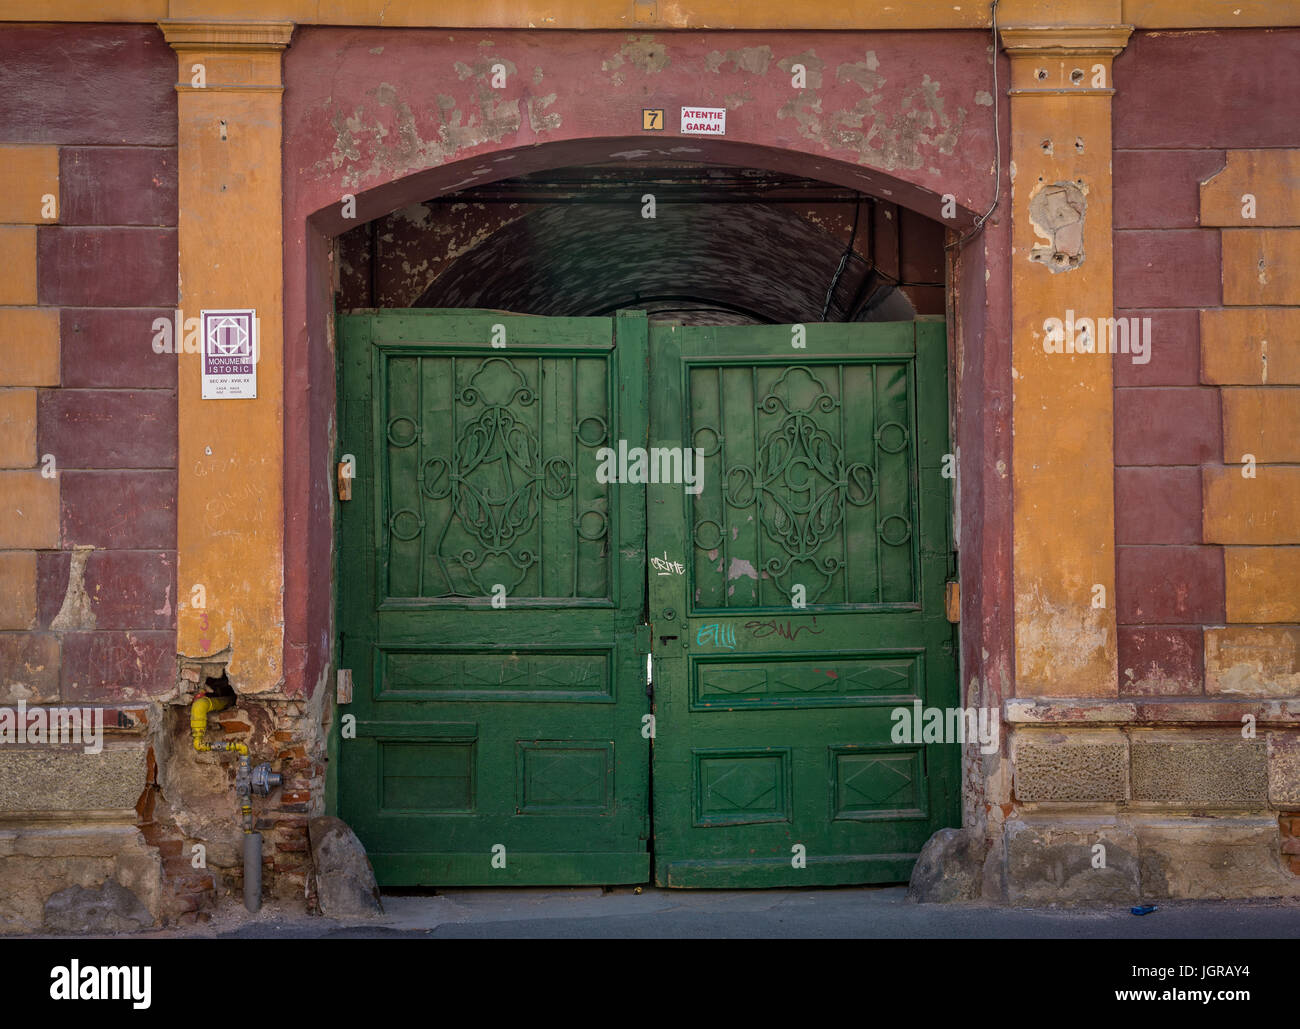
855	912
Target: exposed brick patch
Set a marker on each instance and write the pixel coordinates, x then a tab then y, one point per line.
1289	824
235	727
187	891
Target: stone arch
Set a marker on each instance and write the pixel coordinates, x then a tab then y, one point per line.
350	131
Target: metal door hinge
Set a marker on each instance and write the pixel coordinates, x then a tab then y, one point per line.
952	601
344	692
345	480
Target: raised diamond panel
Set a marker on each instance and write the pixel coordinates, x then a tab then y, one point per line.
562	777
738	787
877	782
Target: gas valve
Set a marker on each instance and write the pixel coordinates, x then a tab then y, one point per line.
265	780
260	780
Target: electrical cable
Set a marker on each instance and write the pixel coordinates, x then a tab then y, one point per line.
857	210
978	227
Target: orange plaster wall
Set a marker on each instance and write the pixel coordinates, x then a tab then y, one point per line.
717	14
230	499
1064	560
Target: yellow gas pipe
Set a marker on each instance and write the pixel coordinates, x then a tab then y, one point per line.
199	711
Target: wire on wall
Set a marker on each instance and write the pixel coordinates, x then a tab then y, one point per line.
978	227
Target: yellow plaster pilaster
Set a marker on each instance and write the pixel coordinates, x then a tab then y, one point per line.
230	505
1063	468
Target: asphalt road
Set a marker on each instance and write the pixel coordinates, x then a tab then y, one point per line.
853	912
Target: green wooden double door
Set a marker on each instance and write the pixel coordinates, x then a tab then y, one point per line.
537	504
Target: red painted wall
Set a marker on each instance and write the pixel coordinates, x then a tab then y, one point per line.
104	95
1182	100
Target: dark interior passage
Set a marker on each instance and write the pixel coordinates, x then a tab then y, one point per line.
724	246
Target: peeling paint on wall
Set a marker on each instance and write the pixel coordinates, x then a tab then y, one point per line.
890	140
1072	635
1056	211
812	64
542	122
752	59
493	119
641	52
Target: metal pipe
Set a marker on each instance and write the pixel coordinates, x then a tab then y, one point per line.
247	782
253	871
199	710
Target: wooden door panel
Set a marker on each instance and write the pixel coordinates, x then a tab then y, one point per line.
810	606
490	588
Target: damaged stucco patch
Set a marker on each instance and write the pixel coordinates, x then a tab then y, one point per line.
363	150
76	612
537	121
741	567
483	68
1056	211
890	140
812	65
752	60
1070	637
1255	661
641	52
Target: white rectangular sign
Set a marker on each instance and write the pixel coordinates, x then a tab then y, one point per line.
230	353
704	121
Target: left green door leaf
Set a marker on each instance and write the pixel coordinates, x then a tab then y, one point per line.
489	592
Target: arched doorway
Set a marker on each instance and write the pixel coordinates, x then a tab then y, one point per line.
500	595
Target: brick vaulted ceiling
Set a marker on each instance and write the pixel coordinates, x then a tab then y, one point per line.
725	246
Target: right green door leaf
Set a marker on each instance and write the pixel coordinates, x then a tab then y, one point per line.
797	603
